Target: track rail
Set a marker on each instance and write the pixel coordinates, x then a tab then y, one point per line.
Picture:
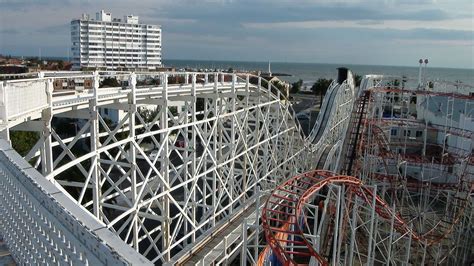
284	217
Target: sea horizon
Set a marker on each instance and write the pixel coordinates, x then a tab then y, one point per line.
306	63
313	71
65	58
308	71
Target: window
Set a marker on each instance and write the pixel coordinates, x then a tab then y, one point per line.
393	132
450	169
419	133
106	111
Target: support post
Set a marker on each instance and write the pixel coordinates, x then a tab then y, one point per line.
390	239
94	143
132	155
337	226
371	232
232	137
257	221
243	258
409	246
194	147
4	132
353	225
164	163
215	146
46	117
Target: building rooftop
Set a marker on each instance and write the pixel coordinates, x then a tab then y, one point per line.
107	17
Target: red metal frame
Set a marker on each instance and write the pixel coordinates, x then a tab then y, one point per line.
278	230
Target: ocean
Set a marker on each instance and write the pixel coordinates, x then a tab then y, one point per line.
310	72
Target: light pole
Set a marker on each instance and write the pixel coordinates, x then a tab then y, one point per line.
419	72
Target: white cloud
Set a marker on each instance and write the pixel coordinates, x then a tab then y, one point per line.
287	30
459	43
454	24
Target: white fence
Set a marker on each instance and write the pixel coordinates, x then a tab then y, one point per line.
40	224
21	98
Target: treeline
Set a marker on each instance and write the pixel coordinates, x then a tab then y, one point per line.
321	85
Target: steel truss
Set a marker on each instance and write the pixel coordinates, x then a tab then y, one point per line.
320	217
427	177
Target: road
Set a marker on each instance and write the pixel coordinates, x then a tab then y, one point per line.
306	104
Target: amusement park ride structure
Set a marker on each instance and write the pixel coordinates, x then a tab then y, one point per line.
399	200
231	176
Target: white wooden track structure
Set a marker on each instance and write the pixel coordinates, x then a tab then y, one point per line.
207	169
100	196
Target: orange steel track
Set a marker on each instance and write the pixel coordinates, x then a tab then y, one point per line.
283	214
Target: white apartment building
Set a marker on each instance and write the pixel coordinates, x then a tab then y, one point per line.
108	43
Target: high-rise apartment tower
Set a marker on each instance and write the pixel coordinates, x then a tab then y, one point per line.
108	43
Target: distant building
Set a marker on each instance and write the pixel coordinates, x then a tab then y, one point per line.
281	84
113	44
307	85
78	84
13	69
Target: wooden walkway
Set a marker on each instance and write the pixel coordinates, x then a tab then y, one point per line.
221	245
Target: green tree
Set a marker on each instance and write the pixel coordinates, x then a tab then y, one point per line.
147	114
64	127
173	110
395	84
176	79
60	65
109	82
280	86
357	80
23	141
431	85
296	86
320	87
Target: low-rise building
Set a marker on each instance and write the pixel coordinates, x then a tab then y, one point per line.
78	84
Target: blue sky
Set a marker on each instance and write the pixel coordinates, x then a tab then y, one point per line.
382	32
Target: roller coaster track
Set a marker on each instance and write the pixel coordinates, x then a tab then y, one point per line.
335	110
306	218
338	99
323	116
240	138
238	135
358	118
285	219
284	209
